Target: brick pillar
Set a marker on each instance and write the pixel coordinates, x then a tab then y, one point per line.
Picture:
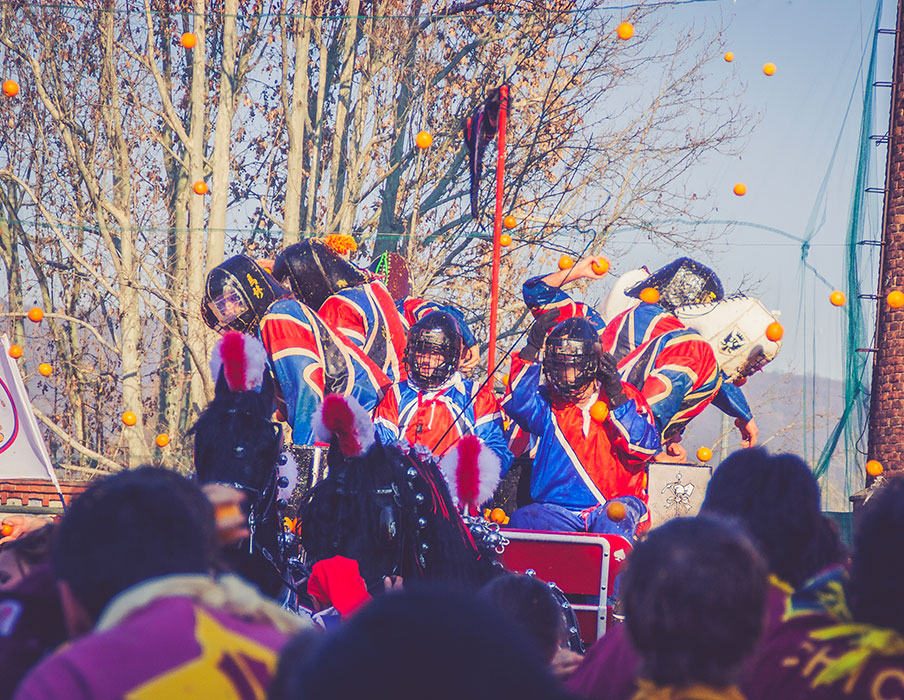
886	416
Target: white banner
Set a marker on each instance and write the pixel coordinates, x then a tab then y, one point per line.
23	454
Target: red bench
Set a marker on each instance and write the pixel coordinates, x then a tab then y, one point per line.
583	565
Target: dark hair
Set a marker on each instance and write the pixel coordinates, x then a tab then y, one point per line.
776	498
438	644
33	547
530	603
131	527
877	562
694	595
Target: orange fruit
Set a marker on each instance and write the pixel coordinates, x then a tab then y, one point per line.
15	351
497	515
874	467
6	530
565	262
625	31
424	139
649	295
740	381
769	68
837	298
599	411
200	187
729	57
505	240
129	418
740	189
600	267
774	331
704	454
10	88
616	511
188	40
895	299
162	440
45	369
510	222
506	379
35	314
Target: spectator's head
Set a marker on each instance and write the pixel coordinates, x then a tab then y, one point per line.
424	644
877	562
776	499
694	595
18	557
530	603
125	529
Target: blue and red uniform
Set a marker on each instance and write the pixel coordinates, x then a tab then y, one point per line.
581	463
439	418
672	365
311	358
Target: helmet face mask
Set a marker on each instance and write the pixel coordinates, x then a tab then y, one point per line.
433	352
237	294
682	282
571	358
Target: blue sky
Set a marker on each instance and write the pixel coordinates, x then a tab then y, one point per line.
817	47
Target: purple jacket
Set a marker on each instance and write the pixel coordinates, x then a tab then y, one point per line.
171	648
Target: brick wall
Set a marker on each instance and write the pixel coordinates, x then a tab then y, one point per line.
886	422
38	494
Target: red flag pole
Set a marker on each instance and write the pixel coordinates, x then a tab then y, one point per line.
497	228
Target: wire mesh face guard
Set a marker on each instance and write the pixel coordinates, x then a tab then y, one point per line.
571	365
423	342
228	308
682	282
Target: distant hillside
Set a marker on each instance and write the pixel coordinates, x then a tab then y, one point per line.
777	403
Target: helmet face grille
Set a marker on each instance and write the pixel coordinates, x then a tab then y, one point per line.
237	295
571	365
681	283
433	353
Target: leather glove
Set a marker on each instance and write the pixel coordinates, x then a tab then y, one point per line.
612	384
544	323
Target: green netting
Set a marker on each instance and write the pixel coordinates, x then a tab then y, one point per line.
851	426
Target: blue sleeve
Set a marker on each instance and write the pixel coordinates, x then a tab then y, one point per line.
730	400
466	333
638	438
492	434
540	297
525	405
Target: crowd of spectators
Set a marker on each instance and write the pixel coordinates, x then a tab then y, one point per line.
127	595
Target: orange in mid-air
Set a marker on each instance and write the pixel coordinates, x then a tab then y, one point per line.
599	411
45	369
129	418
510	221
649	295
616	511
837	298
874	467
16	351
775	331
424	139
729	56
505	240
895	299
162	440
188	40
704	454
10	88
740	189
565	262
36	314
625	31
200	187
769	68
600	267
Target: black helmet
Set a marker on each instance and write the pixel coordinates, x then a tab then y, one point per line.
572	345
237	294
435	334
314	272
682	282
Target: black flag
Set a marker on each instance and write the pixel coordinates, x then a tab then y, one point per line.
479	130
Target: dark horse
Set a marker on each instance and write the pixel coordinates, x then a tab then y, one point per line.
238	445
389	509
